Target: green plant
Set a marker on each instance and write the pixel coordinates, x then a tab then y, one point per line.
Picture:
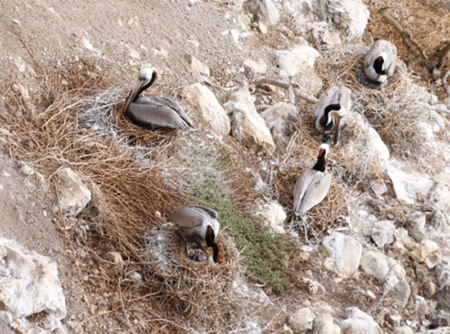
264	253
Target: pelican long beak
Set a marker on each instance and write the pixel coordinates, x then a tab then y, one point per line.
337	130
134	93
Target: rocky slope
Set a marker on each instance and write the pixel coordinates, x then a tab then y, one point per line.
84	192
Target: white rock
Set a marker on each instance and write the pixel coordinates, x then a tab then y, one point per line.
248	126
132	53
302	320
258	67
420	251
29	285
358	322
84	43
403	330
323	324
73	195
273	215
383	233
209	110
294	60
265	12
379	265
378	187
277	119
438	119
350	17
199	69
408	186
252	327
25	169
344	253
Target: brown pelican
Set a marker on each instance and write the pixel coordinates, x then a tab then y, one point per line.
197	224
331	111
312	185
154	112
379	63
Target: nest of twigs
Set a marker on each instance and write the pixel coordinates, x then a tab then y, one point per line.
75	120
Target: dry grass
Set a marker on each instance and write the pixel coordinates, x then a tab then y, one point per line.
75	120
428	23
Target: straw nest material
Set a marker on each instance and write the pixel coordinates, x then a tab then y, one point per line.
75	120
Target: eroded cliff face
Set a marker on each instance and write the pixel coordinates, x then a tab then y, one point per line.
84	192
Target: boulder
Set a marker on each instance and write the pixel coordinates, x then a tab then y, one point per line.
349	17
323	324
408	186
383	233
199	70
264	12
73	195
344	253
359	322
208	109
277	119
302	320
248	126
272	215
30	285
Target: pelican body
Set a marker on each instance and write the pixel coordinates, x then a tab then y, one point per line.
154	112
312	185
379	63
331	111
198	224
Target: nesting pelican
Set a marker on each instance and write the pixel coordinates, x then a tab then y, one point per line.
154	112
313	184
197	224
331	111
379	63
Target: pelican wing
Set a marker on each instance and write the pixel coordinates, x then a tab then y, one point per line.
151	114
213	214
187	217
316	192
173	105
301	185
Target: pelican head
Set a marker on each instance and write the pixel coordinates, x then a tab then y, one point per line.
210	241
334	113
146	78
323	150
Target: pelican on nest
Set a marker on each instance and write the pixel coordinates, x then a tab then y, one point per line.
313	184
198	225
154	112
332	110
379	63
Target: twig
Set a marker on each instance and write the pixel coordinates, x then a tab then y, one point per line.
286	85
407	39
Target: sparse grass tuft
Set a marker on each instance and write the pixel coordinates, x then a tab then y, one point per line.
264	253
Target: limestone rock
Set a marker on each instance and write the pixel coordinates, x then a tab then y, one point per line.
208	109
379	265
350	17
29	285
277	119
403	330
408	186
295	60
258	67
302	320
383	233
273	215
264	12
298	64
73	195
323	324
359	322
420	251
378	187
199	70
248	126
344	253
